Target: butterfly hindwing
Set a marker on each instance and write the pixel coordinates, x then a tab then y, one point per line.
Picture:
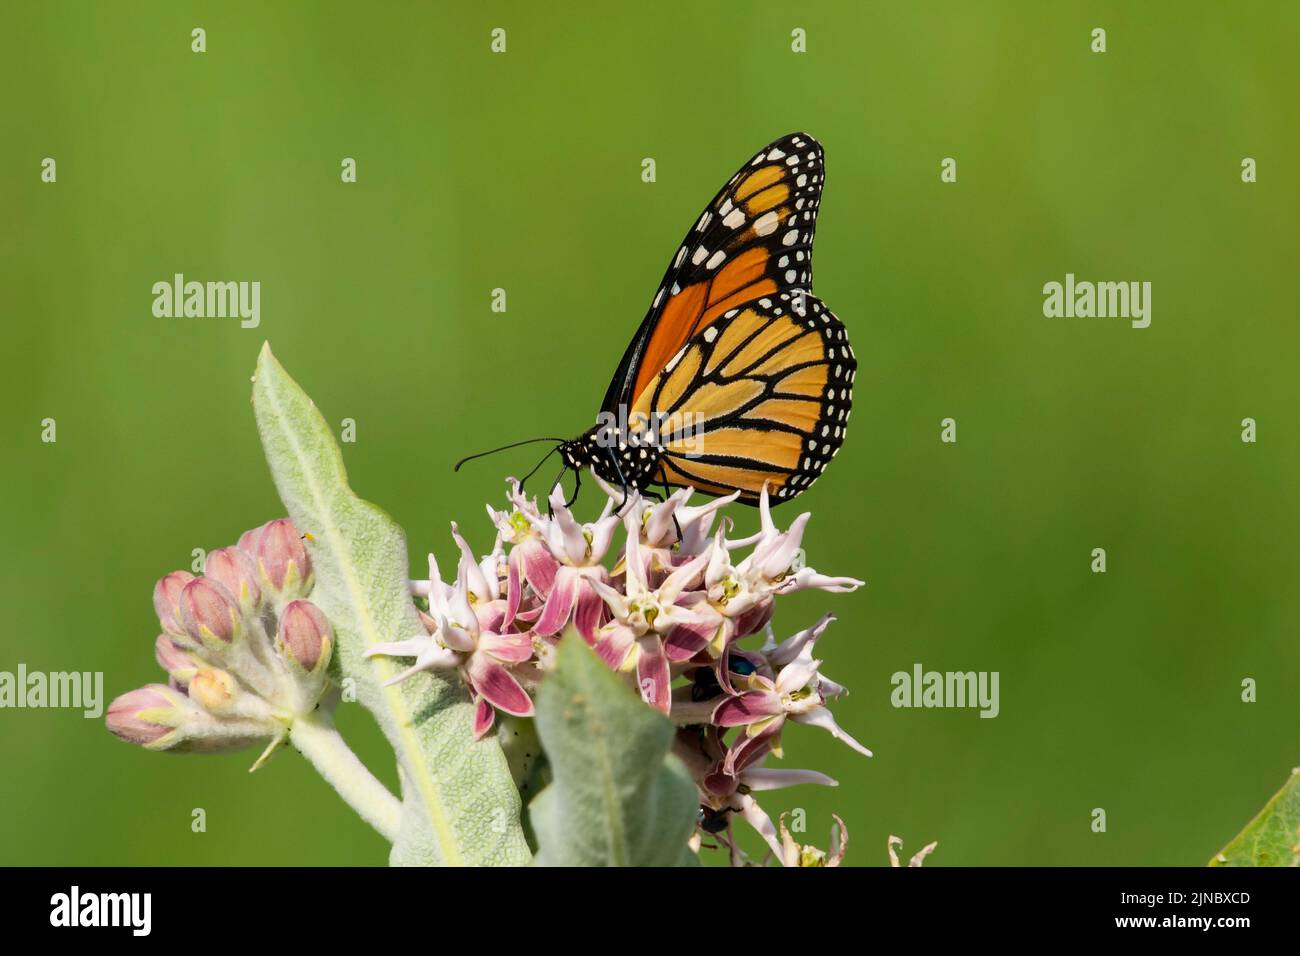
760	394
754	239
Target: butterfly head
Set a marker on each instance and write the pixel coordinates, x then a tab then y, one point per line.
622	460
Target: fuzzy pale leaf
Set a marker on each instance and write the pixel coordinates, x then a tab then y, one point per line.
618	797
460	806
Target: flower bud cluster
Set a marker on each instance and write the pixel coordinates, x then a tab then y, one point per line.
244	650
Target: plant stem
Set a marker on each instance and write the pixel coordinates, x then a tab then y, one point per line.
316	738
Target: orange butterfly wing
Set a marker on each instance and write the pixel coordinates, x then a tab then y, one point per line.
754	239
761	395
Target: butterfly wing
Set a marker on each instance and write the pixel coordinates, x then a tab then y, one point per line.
754	239
761	394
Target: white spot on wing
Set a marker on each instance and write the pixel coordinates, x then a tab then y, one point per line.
766	224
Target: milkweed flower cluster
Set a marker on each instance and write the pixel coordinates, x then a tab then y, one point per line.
244	651
668	609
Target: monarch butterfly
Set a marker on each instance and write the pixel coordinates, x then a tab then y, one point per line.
738	376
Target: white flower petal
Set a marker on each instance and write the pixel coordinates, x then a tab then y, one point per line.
762	778
822	717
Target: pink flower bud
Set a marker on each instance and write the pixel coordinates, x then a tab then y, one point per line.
282	558
161	718
248	541
305	634
176	661
166	601
210	612
214	690
146	715
238	572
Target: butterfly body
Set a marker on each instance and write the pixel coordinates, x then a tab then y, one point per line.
631	464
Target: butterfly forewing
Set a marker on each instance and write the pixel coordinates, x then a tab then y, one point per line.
753	240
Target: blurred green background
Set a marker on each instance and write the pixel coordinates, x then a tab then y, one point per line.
522	171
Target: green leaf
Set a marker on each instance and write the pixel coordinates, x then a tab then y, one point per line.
460	806
1273	837
618	797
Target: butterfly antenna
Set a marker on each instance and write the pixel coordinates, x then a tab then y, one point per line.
577	483
535	467
493	451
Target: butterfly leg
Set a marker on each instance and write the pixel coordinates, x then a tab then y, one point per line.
550	509
621	480
577	483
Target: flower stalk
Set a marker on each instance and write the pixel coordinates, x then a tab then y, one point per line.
316	738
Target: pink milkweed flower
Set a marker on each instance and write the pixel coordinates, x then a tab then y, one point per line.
494	610
658	529
456	639
775	564
778	655
741	611
744	594
728	777
493	684
797	693
672	533
482	578
644	618
696	522
524	529
578	550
